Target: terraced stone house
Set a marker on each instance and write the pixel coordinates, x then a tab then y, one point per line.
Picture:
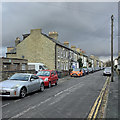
38	47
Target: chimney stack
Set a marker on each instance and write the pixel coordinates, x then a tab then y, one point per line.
78	50
17	41
66	43
73	47
53	35
35	31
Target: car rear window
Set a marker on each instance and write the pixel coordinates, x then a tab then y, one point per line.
43	73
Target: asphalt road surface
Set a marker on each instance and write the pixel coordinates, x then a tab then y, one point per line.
71	98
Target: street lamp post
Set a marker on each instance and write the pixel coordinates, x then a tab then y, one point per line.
112	48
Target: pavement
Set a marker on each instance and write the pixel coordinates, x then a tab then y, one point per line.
112	109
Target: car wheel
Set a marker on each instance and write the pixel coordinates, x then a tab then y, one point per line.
56	82
49	85
23	92
42	87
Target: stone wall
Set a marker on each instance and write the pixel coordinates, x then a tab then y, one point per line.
6	74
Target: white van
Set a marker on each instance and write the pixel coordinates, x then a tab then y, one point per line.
36	66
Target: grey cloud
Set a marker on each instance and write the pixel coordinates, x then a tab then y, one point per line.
86	25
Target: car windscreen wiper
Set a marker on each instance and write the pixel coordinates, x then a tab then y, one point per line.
14	79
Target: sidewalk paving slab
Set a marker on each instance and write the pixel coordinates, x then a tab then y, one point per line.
112	103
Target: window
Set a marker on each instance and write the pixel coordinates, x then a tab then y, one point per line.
59	52
16	66
62	66
66	54
54	73
23	66
43	73
31	67
34	77
6	66
66	66
58	65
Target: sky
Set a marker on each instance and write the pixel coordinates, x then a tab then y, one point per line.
87	25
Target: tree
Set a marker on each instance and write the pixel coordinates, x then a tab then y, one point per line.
108	63
80	62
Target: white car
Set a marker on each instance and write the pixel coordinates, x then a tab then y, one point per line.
107	71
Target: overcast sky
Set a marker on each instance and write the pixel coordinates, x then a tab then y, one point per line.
85	25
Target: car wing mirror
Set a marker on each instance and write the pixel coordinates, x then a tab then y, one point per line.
52	75
31	79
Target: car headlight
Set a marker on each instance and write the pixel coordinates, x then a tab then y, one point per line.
46	79
16	86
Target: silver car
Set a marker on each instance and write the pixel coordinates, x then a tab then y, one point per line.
21	84
107	71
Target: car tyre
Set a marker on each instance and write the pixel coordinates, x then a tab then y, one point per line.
49	85
56	82
42	87
23	92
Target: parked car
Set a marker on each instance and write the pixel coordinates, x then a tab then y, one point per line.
86	70
84	73
49	77
36	66
76	72
90	70
107	71
21	84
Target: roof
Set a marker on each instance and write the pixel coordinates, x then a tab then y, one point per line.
59	43
25	35
55	41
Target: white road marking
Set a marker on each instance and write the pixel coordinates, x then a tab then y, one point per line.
5	105
44	102
69	90
30	108
64	93
17	100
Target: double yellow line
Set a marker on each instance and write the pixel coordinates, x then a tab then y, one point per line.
94	111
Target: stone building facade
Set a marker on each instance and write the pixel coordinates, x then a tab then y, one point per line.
38	47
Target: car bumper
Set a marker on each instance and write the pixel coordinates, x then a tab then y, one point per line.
75	75
9	93
106	73
46	83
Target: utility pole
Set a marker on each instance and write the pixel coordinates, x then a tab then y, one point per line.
112	48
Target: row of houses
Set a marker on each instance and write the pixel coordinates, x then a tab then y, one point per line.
37	47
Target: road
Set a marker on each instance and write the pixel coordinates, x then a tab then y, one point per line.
71	98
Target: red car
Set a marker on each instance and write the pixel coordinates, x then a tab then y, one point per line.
50	77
